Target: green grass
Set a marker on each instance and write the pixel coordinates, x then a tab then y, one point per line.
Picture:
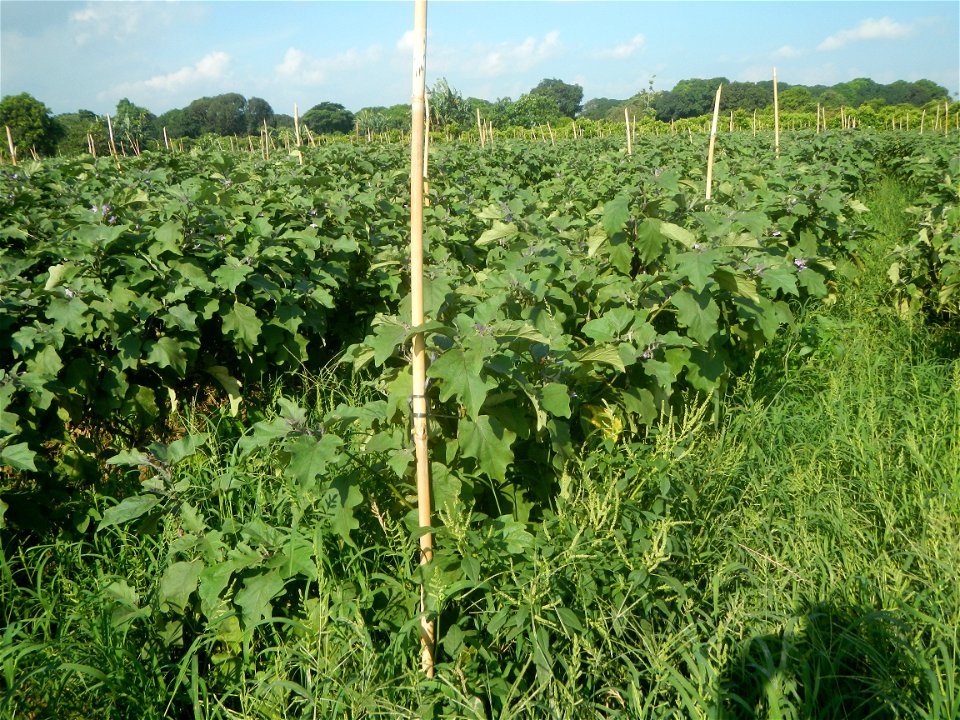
796	558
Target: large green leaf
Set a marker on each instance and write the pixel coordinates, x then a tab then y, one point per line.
699	313
489	443
18	456
129	509
257	593
242	323
460	372
178	582
167	352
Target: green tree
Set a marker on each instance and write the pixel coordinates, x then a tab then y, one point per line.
597	108
689	98
531	110
133	122
447	107
254	113
30	123
179	123
76	126
796	98
567	97
328	117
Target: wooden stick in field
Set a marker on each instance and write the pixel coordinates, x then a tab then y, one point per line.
296	132
419	359
946	117
113	145
626	120
13	148
483	141
713	140
776	115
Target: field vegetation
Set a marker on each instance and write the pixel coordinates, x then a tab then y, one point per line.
689	459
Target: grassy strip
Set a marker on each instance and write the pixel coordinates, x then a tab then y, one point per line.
798	559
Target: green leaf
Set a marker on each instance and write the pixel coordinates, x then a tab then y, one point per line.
243	325
132	458
385	339
310	457
18	456
130	509
256	595
556	399
56	275
489	442
177	584
182	317
604	354
678	234
185	447
780	278
616	213
344	495
699	313
697	266
68	315
460	373
499	231
167	352
445	488
231	274
167	238
650	241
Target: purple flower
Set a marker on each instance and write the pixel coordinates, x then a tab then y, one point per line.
800	264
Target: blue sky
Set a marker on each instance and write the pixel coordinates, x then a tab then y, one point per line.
162	55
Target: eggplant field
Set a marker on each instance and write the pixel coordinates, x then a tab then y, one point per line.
689	457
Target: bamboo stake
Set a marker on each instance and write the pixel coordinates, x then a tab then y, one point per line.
296	132
713	140
776	115
626	120
731	121
419	361
113	146
166	140
946	117
13	148
754	123
483	141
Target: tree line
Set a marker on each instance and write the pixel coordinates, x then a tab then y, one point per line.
552	100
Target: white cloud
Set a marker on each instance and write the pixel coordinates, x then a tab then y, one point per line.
507	58
624	50
787	51
299	67
211	67
121	21
869	29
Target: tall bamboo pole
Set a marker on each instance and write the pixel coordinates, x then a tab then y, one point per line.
626	120
419	360
13	148
776	115
713	141
296	132
113	145
946	117
483	141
